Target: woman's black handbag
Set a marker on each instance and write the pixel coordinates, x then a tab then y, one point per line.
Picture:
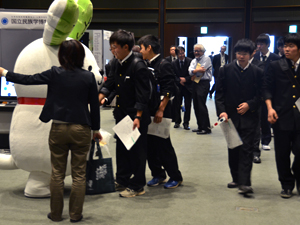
99	172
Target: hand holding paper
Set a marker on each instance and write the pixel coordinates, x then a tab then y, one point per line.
124	131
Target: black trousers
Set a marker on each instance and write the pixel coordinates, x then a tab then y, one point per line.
200	91
184	93
257	137
286	142
212	90
265	126
162	158
240	158
132	162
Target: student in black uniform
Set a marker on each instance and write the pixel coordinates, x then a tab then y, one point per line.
266	57
281	90
130	80
160	151
238	98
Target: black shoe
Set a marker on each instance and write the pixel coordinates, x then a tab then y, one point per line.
176	125
196	130
286	193
232	185
243	189
50	218
256	159
204	132
75	221
186	127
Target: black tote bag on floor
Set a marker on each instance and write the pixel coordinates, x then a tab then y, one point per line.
99	172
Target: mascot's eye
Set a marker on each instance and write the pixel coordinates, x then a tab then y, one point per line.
90	68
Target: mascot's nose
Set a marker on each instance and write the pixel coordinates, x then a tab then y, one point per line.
90	68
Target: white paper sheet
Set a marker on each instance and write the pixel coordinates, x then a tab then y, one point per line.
297	103
124	131
160	129
231	135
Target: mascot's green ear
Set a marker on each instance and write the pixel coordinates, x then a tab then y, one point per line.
61	19
84	19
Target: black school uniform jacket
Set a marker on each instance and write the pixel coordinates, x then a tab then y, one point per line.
166	80
68	95
235	86
281	85
130	81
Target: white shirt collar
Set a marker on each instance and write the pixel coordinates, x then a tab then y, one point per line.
246	67
121	62
267	54
296	65
154	58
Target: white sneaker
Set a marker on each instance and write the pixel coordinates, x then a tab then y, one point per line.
266	147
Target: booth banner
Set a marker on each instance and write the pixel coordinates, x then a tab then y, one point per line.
97	46
19	20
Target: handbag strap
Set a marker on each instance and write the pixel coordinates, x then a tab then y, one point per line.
99	149
92	151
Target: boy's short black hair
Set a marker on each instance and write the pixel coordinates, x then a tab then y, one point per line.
122	37
180	48
150	39
292	38
71	54
244	45
280	42
263	38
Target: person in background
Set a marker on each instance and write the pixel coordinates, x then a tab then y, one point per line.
184	82
238	92
265	56
280	45
218	61
130	81
201	71
256	150
281	92
173	54
71	90
161	154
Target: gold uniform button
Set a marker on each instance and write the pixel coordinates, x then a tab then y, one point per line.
294	96
117	96
294	106
294	86
120	75
242	71
295	76
118	105
118	85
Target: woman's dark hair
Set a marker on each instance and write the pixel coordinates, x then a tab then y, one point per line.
293	38
122	37
263	38
244	45
71	54
150	40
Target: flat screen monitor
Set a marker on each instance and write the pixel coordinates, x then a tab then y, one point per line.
7	90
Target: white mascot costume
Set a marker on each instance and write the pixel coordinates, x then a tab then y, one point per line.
28	135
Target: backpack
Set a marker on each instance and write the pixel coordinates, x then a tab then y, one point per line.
154	98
